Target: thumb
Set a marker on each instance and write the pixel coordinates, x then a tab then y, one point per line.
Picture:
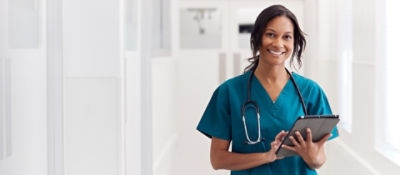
324	139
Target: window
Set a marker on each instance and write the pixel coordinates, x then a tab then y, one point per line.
162	28
392	72
23	24
389	93
131	24
345	53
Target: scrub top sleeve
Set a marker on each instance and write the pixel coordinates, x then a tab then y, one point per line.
216	120
320	106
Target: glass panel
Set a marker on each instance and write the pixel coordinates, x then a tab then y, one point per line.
162	25
131	27
23	24
165	24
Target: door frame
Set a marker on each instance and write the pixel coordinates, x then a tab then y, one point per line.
55	129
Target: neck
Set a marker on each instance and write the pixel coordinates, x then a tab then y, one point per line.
271	74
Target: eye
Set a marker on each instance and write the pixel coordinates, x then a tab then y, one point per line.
271	35
287	37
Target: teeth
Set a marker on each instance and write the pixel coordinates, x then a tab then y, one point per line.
275	53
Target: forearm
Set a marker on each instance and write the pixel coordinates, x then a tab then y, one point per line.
238	161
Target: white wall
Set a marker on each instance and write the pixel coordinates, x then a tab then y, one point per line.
92	95
86	126
25	50
166	133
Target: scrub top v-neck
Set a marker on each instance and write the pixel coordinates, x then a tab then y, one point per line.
222	119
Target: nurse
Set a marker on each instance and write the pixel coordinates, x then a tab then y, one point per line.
276	37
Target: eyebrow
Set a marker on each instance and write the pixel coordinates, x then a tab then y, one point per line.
275	31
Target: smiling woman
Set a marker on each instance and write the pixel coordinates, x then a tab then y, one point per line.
277	42
252	113
292	31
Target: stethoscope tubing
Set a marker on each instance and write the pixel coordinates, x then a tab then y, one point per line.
255	105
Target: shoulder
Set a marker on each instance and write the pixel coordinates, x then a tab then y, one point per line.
236	83
306	84
315	98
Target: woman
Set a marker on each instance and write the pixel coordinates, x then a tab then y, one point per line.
276	36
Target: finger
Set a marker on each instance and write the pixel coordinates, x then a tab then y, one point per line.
274	146
291	148
277	135
275	143
300	138
294	141
280	136
324	139
309	135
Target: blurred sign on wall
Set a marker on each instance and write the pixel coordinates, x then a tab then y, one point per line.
200	28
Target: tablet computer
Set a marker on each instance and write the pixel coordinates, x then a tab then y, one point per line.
320	125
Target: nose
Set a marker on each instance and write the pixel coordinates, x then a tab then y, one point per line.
278	43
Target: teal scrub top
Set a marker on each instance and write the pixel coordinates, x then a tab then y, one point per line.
222	119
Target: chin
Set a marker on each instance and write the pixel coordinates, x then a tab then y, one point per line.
276	61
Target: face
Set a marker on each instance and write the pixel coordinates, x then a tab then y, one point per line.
277	41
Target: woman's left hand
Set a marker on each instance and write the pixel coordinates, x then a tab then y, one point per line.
312	152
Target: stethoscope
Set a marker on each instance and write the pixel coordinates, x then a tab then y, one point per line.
253	104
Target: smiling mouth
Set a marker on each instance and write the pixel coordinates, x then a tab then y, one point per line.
276	53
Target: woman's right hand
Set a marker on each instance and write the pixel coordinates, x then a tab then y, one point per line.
275	145
222	158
